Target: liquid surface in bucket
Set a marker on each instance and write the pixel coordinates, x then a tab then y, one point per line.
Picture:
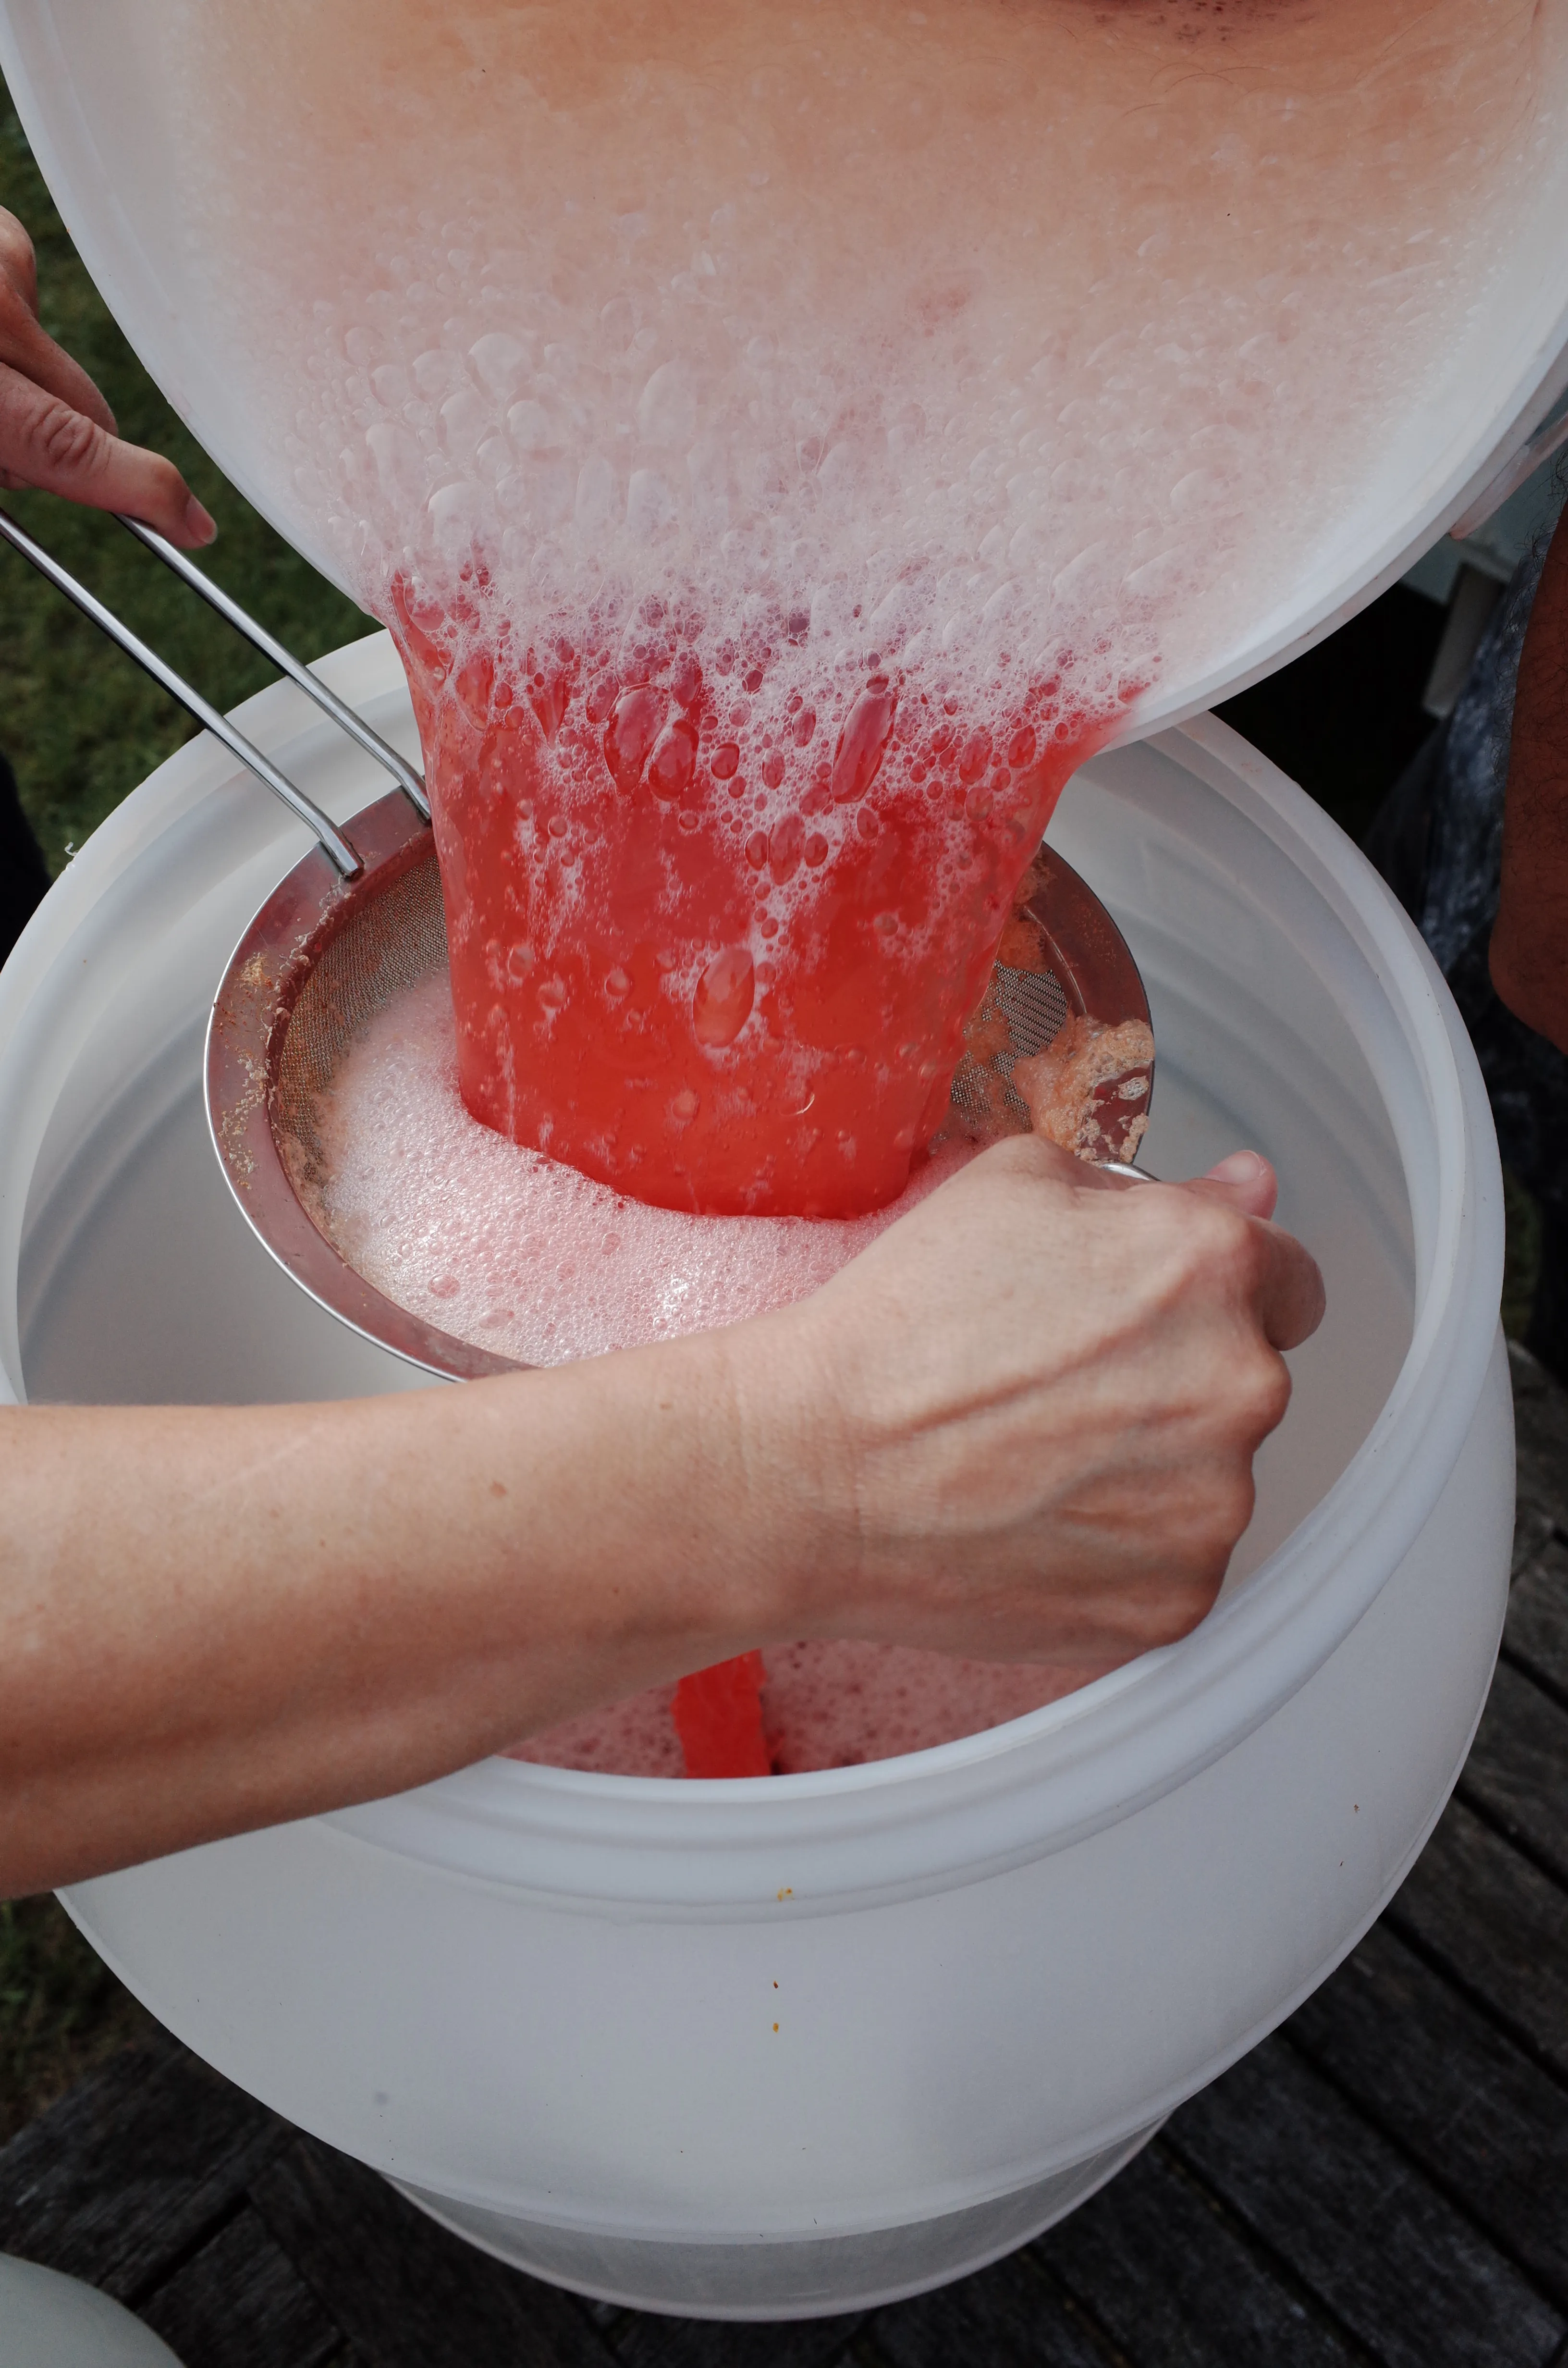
784	440
522	1254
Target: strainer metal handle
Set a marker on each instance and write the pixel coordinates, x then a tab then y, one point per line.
336	846
410	781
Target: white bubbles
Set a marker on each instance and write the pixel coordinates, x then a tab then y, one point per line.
596	504
399	464
651	504
500	363
780	313
666	408
436	374
459	514
530	427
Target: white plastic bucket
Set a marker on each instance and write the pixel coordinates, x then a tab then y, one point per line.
767	2049
96	98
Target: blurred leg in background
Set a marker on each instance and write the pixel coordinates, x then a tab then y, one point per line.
1437	841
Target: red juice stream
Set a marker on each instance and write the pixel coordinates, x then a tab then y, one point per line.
718	910
718	1716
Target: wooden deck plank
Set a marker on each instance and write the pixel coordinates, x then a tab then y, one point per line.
1390	2258
1535	1636
1483	2122
124	2176
405	2293
1009	2316
646	2341
1518	1769
1175	2285
240	2303
1496	1925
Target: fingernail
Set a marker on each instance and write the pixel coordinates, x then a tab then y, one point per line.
1237	1168
200	524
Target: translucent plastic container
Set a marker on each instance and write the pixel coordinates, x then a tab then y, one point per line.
771	2049
546	2003
98	87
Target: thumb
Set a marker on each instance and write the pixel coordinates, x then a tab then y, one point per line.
1289	1284
1243	1181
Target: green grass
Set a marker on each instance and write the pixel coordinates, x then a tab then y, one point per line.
61	2008
80	723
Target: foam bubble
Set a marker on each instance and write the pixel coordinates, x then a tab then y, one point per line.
518	1253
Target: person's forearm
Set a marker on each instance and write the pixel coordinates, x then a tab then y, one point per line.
1020	1425
216	1619
1529	943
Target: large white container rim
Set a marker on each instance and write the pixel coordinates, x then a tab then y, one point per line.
901	1827
966	1809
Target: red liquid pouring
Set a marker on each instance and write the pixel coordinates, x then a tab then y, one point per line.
718	1716
714	936
717	912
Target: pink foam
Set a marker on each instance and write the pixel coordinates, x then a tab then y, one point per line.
519	1253
824	1705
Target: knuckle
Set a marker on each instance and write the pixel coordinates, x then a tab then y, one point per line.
1235	1494
1223	1512
1202	1247
1271	1391
1229	1242
65	439
16	313
1190	1599
16	245
1253	1394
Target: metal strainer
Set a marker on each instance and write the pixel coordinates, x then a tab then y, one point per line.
359	919
325	954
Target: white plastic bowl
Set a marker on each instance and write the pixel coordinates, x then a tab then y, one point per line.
103	124
546	2003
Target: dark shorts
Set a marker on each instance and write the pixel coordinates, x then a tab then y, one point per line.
1438	843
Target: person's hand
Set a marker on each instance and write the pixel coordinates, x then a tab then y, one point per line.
57	432
1030	1408
1021	1426
1530	938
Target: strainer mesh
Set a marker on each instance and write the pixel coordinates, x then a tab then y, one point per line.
1034	1004
394	941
